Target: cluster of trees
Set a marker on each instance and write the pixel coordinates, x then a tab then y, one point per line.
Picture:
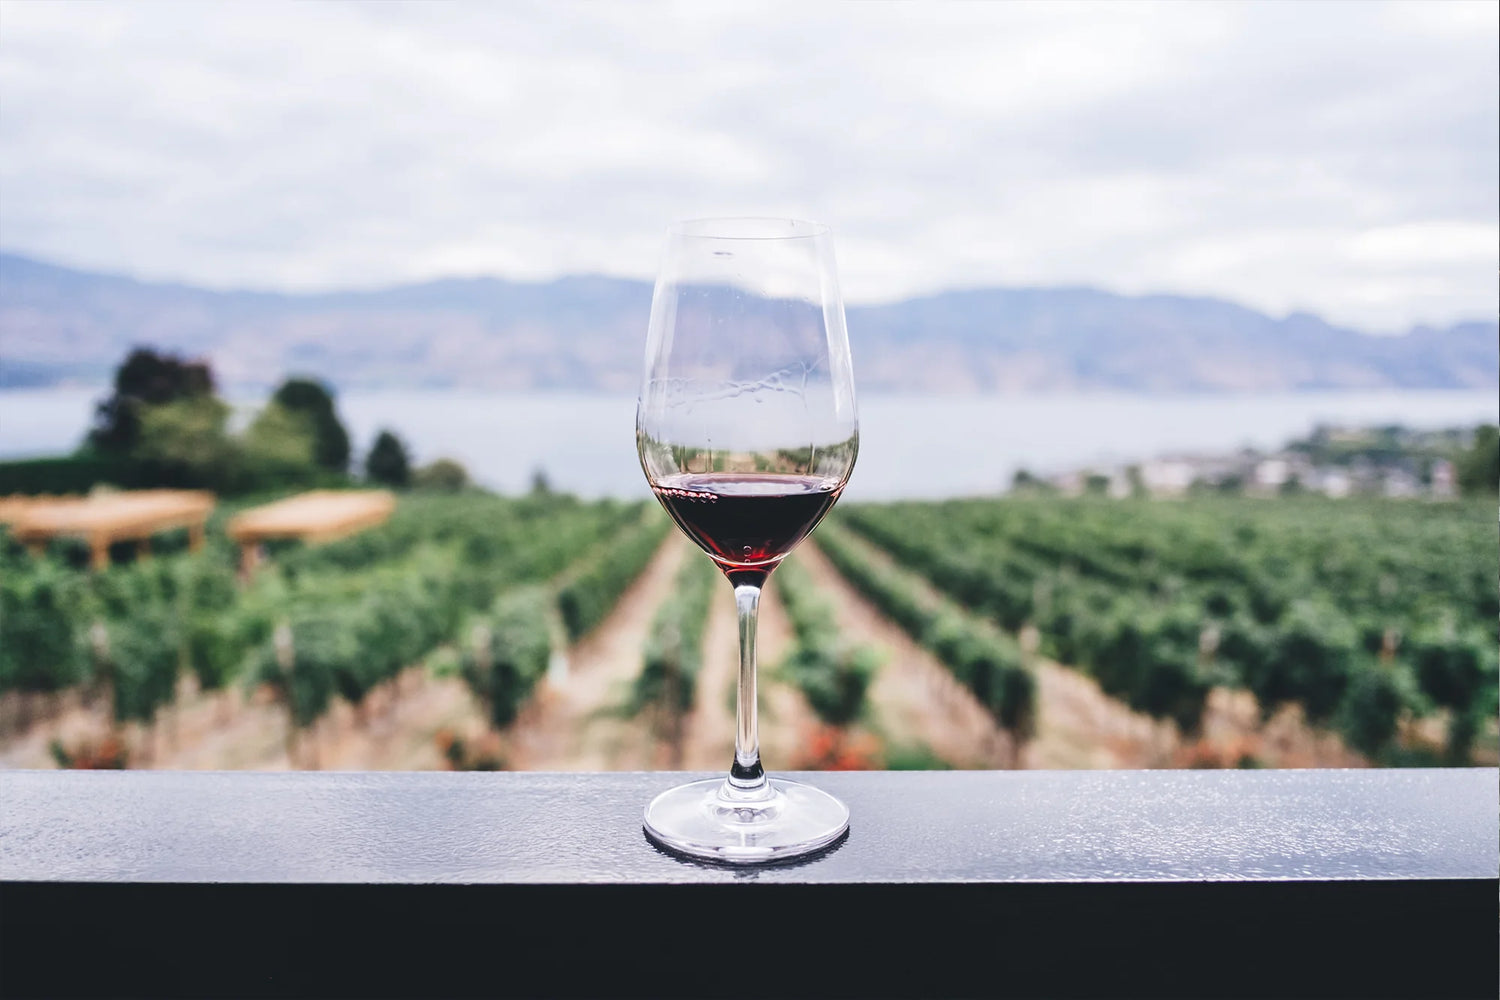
1478	467
165	418
164	424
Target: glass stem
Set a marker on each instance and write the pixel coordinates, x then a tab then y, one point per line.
747	779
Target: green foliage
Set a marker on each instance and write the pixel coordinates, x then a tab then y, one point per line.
1311	661
507	651
312	400
984	660
187	440
215	650
1454	668
1370	713
217	632
144	654
1478	469
440	569
914	758
319	650
588	597
1457	670
674	650
145	379
442	476
388	463
164	426
278	439
352	614
1025	481
1294	599
833	674
834	679
70	474
42	646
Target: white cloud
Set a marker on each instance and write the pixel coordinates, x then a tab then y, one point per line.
1436	243
1333	157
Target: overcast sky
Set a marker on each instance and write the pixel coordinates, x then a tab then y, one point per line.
1338	158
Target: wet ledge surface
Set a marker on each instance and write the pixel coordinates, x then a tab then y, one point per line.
1310	883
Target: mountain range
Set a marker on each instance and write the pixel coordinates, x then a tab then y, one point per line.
61	325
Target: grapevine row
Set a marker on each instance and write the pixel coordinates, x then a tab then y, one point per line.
988	663
666	686
832	674
1361	620
319	622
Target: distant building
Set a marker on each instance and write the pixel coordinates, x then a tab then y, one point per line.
1400	483
1335	483
1271	474
1167	477
1443	481
1069	484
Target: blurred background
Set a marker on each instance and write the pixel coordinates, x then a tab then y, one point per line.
1174	328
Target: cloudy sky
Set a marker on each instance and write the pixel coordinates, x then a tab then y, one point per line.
1338	158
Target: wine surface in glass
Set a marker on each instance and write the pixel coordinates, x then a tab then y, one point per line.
746	519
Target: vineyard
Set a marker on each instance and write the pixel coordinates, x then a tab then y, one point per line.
1366	617
476	631
497	580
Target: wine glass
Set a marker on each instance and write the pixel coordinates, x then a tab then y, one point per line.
747	433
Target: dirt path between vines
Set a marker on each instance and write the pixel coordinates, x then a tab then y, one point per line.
785	720
915	702
708	742
235	731
572	724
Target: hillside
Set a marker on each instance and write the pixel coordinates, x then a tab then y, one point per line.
586	333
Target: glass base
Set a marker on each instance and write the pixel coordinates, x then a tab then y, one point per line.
716	822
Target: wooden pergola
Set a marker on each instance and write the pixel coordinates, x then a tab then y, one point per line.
317	516
103	519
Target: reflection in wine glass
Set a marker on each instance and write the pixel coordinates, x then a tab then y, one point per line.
747	433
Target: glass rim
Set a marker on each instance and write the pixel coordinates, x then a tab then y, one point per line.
748	227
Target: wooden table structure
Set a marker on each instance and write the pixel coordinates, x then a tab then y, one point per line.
316	516
16	504
102	519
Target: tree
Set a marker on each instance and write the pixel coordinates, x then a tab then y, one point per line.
1478	468
312	399
278	447
1025	481
145	378
387	462
444	475
186	441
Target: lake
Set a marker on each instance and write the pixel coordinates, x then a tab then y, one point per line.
910	446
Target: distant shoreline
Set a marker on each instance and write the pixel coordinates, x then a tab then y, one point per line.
912	446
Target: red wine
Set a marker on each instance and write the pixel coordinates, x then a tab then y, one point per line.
746	520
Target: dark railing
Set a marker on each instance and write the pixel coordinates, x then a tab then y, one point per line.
1152	883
